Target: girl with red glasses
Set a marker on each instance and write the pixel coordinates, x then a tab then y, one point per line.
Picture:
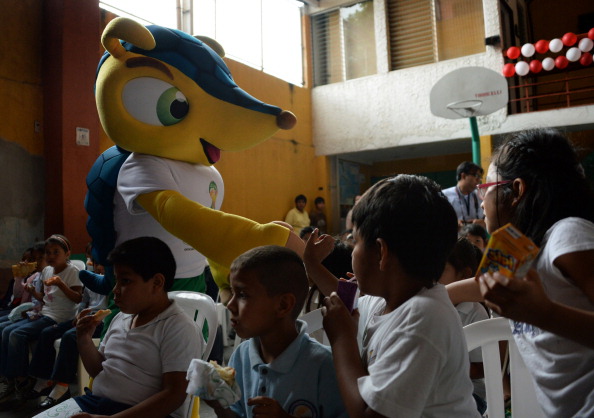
535	182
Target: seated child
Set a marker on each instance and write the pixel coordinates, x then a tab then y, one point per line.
140	366
476	234
280	369
462	264
60	294
413	359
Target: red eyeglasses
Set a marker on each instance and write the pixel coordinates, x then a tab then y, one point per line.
481	189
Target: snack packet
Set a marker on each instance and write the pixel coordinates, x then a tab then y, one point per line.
23	269
509	252
205	382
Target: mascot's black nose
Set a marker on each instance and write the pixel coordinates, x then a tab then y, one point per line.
286	120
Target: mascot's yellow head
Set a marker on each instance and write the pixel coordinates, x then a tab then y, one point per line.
163	92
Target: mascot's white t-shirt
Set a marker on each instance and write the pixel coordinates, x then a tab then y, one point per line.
142	174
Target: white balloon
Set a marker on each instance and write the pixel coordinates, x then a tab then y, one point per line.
527	50
555	45
585	44
573	54
522	68
548	64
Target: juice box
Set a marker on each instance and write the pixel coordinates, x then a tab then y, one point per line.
509	252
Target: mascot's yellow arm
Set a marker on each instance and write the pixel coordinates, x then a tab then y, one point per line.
219	236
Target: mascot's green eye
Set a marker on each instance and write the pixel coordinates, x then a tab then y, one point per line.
172	106
154	101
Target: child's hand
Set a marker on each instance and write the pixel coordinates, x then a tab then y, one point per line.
338	321
53	281
518	299
266	407
318	247
85	324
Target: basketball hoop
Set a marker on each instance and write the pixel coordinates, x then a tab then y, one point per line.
465	108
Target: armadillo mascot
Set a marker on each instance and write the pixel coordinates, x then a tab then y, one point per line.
169	103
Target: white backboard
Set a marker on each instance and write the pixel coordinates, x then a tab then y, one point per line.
468	91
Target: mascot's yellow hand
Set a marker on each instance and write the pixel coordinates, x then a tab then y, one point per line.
219	236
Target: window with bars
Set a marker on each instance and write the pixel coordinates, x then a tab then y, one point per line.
427	31
344	44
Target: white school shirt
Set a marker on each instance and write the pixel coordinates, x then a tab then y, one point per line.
416	357
56	304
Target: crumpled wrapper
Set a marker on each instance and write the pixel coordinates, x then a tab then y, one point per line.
205	382
15	314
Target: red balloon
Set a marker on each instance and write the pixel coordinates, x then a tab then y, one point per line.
535	66
541	46
513	52
586	59
561	62
569	39
509	70
591	34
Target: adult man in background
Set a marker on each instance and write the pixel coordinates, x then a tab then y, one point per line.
463	195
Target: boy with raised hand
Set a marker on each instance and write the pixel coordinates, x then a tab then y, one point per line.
140	367
281	371
413	359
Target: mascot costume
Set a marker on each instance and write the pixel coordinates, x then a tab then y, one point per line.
169	103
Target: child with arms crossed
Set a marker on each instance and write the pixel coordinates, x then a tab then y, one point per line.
414	360
281	371
140	367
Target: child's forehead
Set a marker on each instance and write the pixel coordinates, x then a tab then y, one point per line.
245	278
52	246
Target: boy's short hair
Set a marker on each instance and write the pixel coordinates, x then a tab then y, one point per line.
465	255
319	199
300	197
414	218
146	256
39	247
474	229
279	269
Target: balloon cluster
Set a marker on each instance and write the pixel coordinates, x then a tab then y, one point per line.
580	52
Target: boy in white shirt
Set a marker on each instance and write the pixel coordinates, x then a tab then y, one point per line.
413	360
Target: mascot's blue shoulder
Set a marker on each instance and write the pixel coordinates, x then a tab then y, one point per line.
102	183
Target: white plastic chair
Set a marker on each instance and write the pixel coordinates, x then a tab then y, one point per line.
314	321
487	334
201	308
79	264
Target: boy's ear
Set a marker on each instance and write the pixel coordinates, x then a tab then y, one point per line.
158	281
383	253
286	303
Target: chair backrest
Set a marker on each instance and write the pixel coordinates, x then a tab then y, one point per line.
201	308
79	264
487	334
314	321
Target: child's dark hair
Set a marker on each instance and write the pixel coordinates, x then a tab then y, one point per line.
414	218
60	240
465	255
146	256
319	199
556	187
305	230
279	269
476	230
39	247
